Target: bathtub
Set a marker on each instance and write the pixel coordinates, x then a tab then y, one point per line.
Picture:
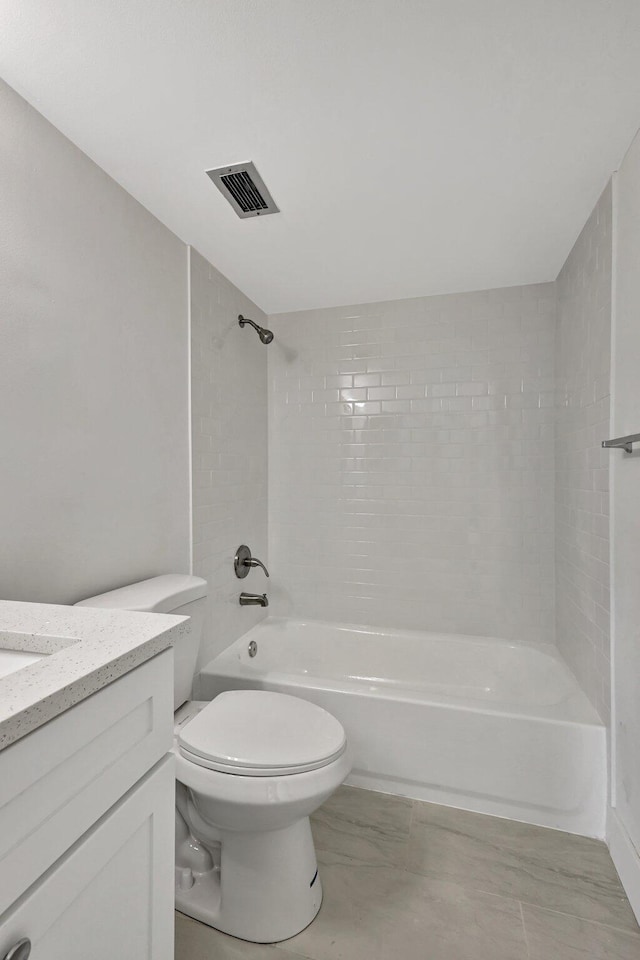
472	722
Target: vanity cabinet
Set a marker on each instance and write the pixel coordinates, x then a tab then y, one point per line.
87	825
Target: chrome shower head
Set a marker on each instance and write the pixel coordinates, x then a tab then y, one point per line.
265	335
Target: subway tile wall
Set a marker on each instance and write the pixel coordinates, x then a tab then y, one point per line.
411	455
229	450
583	348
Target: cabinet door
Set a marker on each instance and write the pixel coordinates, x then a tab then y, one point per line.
111	895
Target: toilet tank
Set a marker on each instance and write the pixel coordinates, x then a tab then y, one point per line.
174	593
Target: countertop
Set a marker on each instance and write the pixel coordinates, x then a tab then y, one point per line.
85	649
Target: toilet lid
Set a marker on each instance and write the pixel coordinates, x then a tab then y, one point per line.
258	733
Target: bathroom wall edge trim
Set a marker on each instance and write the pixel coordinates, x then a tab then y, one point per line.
626	859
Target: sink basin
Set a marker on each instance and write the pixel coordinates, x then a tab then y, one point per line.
12	660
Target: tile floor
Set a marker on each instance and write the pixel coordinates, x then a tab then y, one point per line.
405	880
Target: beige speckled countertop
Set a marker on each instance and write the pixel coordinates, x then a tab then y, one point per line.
84	650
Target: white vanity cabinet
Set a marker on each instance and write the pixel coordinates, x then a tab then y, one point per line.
87	824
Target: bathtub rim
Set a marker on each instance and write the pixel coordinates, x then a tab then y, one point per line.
579	710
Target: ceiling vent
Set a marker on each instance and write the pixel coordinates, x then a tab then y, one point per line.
244	188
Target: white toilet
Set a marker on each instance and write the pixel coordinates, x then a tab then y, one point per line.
251	767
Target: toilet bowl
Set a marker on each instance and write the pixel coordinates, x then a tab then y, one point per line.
251	766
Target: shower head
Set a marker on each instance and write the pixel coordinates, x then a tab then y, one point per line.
265	335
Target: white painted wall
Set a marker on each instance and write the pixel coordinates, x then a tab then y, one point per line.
93	374
411	463
625	479
229	437
583	350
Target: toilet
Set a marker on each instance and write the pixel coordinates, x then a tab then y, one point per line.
251	766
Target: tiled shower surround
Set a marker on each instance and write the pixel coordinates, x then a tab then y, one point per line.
412	463
434	463
583	355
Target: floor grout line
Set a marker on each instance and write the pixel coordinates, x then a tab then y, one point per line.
477	888
524	931
575	916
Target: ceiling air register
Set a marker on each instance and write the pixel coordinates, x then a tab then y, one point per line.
244	188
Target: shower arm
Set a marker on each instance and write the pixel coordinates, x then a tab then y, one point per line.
242	320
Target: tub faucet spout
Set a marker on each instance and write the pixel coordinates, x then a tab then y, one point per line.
253	600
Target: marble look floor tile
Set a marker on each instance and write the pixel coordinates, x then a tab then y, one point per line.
197	941
571	874
362	825
556	936
378	912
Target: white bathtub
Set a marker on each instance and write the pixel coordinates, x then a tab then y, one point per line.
472	722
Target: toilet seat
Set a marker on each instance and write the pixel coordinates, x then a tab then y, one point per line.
258	733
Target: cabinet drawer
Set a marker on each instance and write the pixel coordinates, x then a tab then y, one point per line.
57	781
112	895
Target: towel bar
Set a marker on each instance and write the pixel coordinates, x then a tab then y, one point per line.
624	443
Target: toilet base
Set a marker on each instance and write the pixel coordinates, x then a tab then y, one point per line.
262	886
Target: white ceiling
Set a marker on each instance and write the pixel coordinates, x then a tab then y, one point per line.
413	146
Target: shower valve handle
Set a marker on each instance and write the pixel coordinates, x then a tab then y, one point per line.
243	562
254	562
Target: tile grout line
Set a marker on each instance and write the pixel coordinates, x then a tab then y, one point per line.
405	868
524	931
573	916
528	903
463	884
